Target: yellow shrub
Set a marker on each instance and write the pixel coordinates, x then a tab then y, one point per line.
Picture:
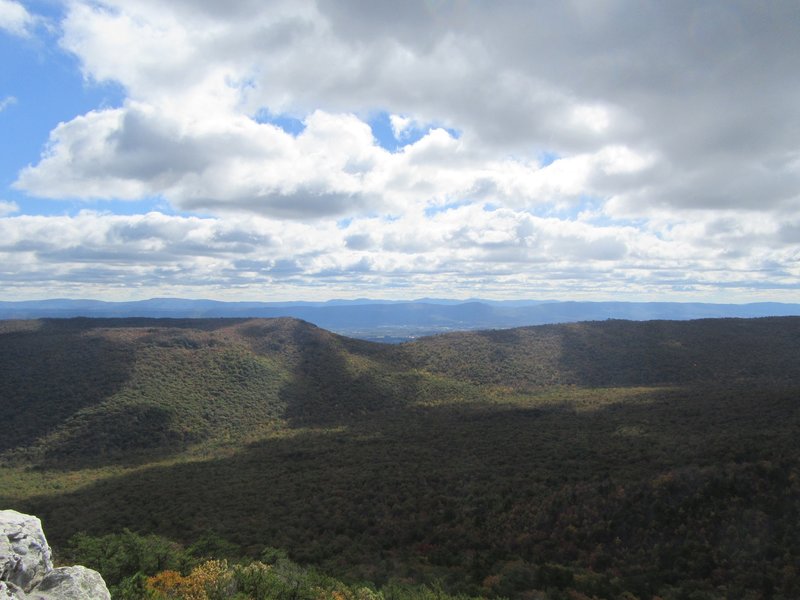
207	581
167	584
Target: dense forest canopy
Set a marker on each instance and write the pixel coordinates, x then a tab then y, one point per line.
609	459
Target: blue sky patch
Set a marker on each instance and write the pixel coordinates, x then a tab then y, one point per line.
42	86
382	131
440	208
289	124
344	223
381	125
547	158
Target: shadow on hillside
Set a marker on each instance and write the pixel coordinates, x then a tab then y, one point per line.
59	375
338	380
67	366
51	373
619	353
501	336
124	436
612	353
465	480
190	385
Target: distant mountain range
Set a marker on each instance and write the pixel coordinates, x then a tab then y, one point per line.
394	321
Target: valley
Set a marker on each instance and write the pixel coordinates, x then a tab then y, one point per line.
607	459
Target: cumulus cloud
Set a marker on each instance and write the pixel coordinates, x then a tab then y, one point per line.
14	18
680	85
641	144
333	168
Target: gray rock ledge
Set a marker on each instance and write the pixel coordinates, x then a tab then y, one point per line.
26	566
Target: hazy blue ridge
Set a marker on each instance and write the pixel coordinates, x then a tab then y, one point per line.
398	320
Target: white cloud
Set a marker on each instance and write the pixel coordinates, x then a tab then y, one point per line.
6	102
333	168
8	208
479	71
463	250
400	125
501	251
673	126
15	19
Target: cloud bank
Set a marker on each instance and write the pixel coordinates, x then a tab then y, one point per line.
542	149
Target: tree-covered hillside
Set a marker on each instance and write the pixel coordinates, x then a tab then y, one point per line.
606	353
592	460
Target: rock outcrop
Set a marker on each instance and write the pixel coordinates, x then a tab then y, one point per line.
26	566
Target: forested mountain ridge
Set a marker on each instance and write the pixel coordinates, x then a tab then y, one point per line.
115	386
85	385
396	321
615	352
603	458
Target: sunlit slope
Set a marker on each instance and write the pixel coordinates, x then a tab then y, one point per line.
88	391
614	353
92	390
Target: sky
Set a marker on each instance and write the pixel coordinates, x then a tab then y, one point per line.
300	150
